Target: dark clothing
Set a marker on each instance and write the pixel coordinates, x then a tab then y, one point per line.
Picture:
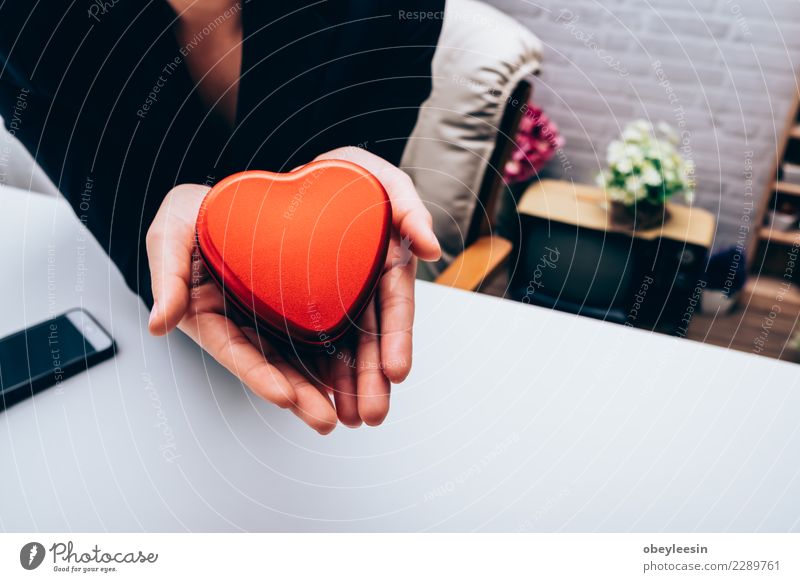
112	115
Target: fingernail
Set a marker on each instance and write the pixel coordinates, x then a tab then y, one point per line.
153	315
435	242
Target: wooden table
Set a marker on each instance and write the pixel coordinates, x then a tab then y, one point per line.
587	207
611	267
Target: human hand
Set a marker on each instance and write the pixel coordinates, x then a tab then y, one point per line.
357	373
362	375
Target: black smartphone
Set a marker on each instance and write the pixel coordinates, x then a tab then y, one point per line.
47	353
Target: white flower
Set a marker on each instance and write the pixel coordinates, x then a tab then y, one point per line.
601	179
638	131
616	150
643	160
660	148
634	152
631	135
624	166
618	195
636	187
650	175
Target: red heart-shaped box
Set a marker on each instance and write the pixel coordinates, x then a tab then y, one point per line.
298	253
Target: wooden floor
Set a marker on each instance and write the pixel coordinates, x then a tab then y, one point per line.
753	326
764	321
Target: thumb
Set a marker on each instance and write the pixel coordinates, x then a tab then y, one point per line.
170	243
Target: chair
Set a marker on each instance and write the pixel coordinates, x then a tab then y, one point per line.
482	78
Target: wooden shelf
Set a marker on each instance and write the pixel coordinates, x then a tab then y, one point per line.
787	188
790	133
778	236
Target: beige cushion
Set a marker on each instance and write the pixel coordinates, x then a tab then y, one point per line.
481	56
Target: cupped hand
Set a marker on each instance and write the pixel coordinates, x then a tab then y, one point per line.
351	380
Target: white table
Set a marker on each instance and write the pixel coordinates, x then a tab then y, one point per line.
514	418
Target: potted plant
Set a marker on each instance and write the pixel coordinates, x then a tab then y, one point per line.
644	171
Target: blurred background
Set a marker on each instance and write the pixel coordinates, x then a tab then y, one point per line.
728	75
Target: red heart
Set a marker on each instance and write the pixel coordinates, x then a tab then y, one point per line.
303	251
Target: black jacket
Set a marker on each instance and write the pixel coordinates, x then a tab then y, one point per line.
111	114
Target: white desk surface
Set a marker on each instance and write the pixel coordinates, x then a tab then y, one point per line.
515	418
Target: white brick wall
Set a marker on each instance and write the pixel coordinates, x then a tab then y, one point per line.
730	64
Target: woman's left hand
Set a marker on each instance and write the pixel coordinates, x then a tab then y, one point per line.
359	375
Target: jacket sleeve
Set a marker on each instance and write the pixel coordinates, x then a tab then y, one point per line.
51	56
82	80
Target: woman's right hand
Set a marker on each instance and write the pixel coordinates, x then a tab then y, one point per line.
187	298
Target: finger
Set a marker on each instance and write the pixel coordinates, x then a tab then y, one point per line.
320	374
396	301
229	345
409	214
311	404
170	243
411	218
342	378
371	384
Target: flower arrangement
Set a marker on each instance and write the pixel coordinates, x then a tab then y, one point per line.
536	143
644	166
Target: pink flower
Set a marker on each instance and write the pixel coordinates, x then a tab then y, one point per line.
536	143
